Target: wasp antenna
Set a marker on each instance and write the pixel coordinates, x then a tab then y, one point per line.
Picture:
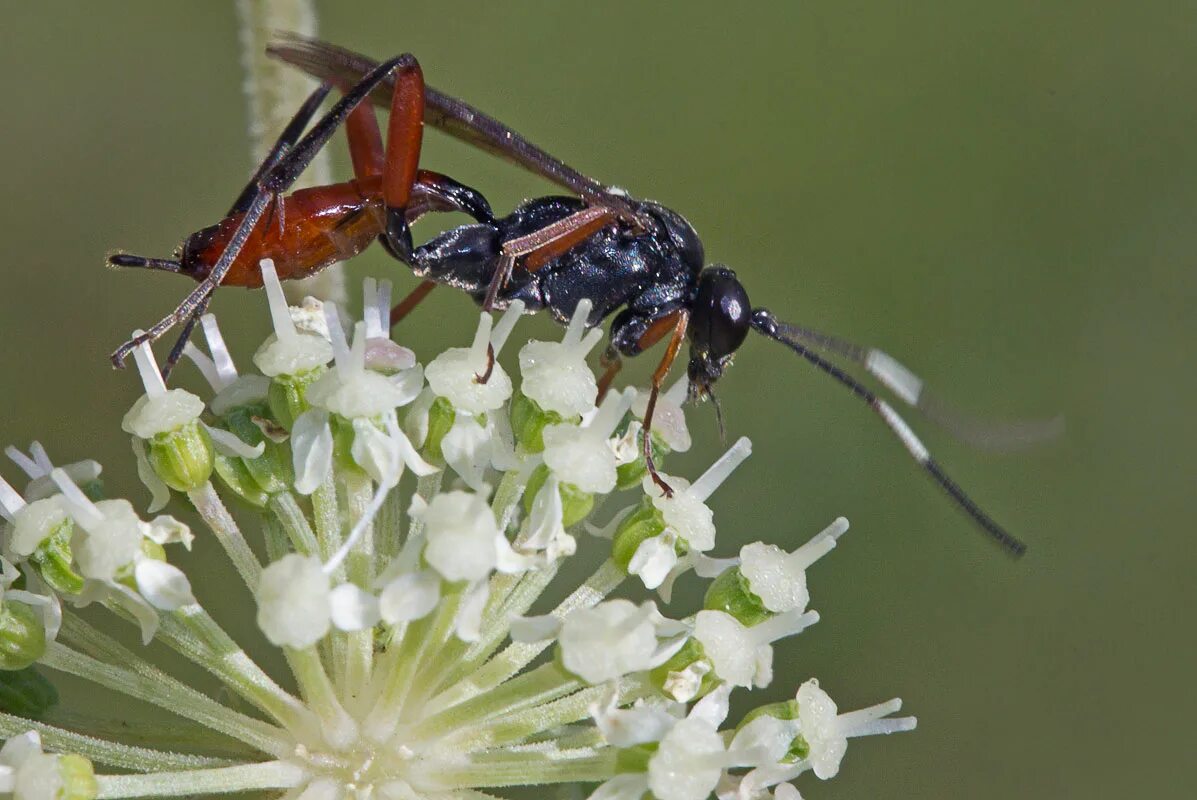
996	436
764	323
142	262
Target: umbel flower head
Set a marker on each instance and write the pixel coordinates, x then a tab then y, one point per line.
423	659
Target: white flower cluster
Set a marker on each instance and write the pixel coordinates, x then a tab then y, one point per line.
406	618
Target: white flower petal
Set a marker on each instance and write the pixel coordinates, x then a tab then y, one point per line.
468	623
229	444
165	587
293	601
461	533
410	596
165	529
376	452
352	608
311	449
653	560
467	449
452	376
688	763
161	413
534	629
34	523
159	491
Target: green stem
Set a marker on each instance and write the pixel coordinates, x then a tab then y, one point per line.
337	727
286	510
195	635
211	508
518	655
221	780
520	726
328	538
139	679
359	647
535	688
515	768
124	756
418	640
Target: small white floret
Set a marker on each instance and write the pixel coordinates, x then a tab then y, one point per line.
555	374
293	601
827	732
608	641
688	762
778	578
742	655
462	534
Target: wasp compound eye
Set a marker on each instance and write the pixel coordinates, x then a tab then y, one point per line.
719	321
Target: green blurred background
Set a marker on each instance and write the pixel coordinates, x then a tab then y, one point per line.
1001	194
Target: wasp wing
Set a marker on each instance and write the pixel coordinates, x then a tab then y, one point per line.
344	68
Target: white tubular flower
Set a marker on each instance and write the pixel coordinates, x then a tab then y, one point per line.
294	608
287	351
555	374
583	455
827	732
779	578
614	638
743	656
669	420
687	519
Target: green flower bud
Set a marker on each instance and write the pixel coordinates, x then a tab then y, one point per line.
183	457
690	654
53	561
272	470
26	693
636	758
576	504
235	475
787	710
730	593
528	421
78	778
441	416
643	523
631	474
288	395
22	635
